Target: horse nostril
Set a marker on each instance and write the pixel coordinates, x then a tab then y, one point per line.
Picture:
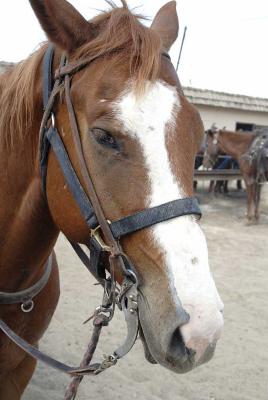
176	338
177	348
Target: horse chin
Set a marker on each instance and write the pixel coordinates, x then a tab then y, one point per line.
147	352
181	361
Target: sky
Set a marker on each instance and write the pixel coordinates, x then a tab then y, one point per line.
225	47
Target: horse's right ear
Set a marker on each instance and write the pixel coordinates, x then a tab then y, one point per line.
62	23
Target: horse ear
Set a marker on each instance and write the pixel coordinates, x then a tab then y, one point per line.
166	24
62	23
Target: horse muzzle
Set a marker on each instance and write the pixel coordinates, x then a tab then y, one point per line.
164	344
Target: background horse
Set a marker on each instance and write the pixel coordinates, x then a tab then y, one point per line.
139	135
237	145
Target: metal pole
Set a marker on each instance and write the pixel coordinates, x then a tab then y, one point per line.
182	43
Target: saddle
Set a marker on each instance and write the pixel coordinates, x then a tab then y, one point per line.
257	155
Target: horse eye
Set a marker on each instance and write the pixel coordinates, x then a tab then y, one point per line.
104	138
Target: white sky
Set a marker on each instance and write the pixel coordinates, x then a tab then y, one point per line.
225	49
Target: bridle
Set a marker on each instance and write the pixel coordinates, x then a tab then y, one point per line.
104	235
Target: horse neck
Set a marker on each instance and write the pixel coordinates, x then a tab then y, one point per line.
235	143
28	233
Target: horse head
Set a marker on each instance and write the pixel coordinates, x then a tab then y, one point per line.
139	136
212	149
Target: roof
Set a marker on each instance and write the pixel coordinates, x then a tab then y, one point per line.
4	65
225	100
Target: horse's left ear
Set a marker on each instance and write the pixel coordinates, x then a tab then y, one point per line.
62	23
166	24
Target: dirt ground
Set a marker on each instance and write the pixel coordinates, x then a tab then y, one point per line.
239	369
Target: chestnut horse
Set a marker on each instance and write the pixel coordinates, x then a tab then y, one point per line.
237	145
139	135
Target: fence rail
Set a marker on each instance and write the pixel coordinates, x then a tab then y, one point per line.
217	175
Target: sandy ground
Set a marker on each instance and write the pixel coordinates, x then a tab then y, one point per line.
239	369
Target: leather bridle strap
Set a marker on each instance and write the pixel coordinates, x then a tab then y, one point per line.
155	215
121	351
87	181
47	75
117	257
26	296
53	138
33	351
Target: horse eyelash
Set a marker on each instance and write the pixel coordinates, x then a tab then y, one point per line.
105	138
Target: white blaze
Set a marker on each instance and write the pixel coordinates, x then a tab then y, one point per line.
181	240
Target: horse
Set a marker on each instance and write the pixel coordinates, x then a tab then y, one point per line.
238	145
138	135
220	186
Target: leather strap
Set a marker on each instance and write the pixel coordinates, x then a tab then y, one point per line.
49	95
93	264
71	177
47	74
155	215
129	304
33	351
27	295
87	181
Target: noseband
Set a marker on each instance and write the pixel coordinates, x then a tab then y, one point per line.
104	237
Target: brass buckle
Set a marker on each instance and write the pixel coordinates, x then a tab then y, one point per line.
96	234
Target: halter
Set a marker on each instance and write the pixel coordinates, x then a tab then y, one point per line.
104	235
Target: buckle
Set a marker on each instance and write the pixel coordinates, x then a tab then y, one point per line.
108	362
96	234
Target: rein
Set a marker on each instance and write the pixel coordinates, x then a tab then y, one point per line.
104	235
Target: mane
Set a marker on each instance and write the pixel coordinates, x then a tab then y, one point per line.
122	37
246	136
17	99
118	34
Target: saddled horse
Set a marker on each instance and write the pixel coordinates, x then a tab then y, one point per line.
248	149
119	122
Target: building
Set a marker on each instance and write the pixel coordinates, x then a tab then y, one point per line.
232	111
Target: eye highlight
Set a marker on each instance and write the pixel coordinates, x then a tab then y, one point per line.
104	138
